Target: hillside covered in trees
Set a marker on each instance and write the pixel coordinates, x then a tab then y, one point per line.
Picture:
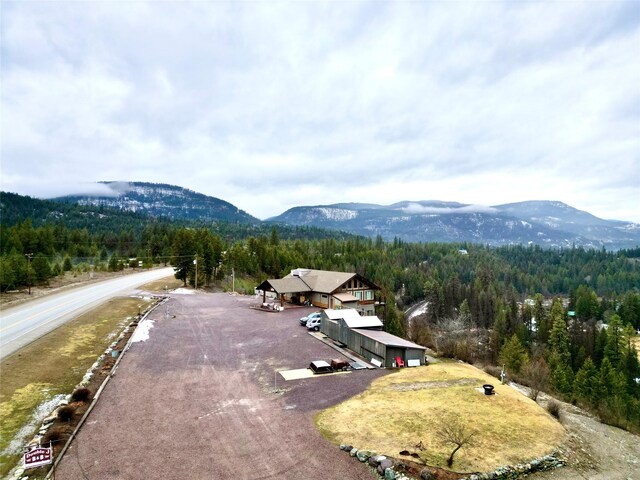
568	315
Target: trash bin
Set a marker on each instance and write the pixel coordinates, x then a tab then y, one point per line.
488	389
115	353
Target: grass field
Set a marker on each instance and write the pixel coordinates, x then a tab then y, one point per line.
403	408
159	285
35	377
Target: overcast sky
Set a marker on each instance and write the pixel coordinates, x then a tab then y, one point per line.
271	105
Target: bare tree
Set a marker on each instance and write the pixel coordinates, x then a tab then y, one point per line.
536	374
452	431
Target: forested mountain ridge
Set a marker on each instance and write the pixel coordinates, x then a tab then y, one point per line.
163	200
549	224
546	223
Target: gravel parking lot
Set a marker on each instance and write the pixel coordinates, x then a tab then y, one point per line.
196	400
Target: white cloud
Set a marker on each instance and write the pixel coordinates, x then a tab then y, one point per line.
274	105
418	209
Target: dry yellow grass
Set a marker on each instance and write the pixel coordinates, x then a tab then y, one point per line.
402	409
53	365
159	285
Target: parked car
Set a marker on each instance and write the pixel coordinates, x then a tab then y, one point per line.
320	366
314	324
311	316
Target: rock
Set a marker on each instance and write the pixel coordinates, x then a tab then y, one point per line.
384	464
406	453
372	462
348	448
427	475
363	455
380	458
353	452
474	477
342	446
389	474
49	419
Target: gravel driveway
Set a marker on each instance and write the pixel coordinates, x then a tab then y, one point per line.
197	400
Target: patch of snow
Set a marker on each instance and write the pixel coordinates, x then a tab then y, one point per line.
338	214
141	334
183	291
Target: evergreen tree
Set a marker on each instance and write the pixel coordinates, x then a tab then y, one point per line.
542	320
615	341
464	310
561	376
183	254
66	264
601	342
585	385
513	355
558	337
41	270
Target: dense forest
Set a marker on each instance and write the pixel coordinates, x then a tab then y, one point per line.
565	318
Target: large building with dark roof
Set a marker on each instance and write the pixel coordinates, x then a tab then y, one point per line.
324	289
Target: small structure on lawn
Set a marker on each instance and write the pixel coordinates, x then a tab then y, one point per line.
323	289
364	336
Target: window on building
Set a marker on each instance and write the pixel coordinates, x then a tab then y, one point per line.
368	295
358	295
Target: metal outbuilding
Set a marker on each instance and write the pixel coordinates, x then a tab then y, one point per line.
364	336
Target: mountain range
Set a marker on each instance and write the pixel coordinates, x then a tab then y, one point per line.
162	200
546	223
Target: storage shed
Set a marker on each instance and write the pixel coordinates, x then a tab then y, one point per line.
364	336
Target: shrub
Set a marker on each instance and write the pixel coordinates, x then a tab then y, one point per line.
65	413
493	371
81	394
54	435
553	407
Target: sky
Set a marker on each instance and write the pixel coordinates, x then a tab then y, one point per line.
269	105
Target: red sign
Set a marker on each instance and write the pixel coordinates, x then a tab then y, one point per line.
37	457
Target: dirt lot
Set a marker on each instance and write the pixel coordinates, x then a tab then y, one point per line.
197	400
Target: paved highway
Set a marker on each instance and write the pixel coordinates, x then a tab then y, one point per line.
25	323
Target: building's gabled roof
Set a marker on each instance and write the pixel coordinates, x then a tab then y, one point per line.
387	339
325	281
285	285
305	280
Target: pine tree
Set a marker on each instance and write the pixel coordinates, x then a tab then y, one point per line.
66	264
542	320
513	355
585	385
615	341
561	376
558	337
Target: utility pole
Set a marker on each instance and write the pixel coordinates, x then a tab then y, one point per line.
29	255
195	262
